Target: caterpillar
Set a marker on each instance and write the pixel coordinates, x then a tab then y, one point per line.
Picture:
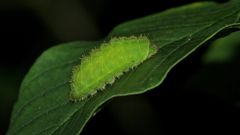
103	65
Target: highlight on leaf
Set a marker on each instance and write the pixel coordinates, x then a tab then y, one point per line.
103	65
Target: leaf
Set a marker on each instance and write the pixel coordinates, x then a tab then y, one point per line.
223	50
43	106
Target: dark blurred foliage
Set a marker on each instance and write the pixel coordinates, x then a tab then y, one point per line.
197	97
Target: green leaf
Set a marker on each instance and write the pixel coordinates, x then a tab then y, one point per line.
223	50
43	106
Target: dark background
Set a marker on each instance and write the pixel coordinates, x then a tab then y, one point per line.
195	98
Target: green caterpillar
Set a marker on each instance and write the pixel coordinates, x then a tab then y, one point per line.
105	64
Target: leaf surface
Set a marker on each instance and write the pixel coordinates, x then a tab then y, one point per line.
43	105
